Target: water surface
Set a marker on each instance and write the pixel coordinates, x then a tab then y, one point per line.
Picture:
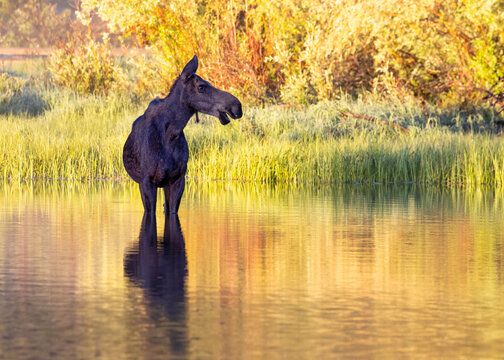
251	272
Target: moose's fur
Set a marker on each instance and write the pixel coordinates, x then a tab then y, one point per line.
155	154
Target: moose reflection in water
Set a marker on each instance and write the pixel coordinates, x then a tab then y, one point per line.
156	152
160	268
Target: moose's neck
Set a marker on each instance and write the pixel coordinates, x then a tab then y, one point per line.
177	120
176	114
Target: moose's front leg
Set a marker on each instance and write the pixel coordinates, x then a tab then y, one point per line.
149	196
173	195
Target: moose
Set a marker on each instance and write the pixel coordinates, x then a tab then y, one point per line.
156	152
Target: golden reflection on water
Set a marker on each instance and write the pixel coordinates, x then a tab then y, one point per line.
404	269
346	271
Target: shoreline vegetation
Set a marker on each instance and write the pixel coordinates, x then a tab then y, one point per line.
370	91
57	134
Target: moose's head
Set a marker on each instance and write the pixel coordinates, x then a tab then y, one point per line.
202	97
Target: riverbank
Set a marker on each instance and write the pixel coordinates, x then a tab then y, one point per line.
81	138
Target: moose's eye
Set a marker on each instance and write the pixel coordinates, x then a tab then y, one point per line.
201	88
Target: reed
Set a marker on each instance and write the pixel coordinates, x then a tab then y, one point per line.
81	138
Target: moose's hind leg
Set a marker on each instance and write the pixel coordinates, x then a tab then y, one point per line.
173	195
149	196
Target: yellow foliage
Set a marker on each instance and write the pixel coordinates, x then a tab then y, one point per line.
305	51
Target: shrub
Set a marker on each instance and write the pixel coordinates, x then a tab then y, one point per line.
243	46
436	50
87	66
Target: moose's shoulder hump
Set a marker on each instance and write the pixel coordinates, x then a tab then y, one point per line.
148	112
137	121
153	103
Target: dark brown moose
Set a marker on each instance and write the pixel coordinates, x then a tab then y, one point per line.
155	154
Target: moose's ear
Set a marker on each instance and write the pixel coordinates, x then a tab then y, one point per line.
190	68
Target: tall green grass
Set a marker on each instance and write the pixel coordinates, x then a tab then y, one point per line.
81	138
77	138
273	145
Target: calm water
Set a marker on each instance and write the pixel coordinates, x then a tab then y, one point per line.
251	272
